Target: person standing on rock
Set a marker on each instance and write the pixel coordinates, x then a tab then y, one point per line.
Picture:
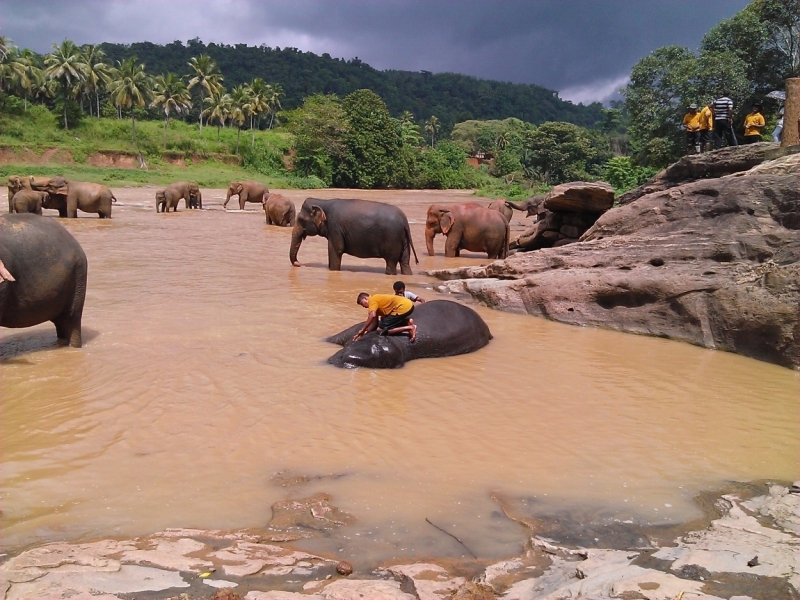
753	124
778	131
723	121
706	127
691	123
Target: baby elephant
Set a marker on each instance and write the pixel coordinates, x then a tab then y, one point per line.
29	201
278	210
172	194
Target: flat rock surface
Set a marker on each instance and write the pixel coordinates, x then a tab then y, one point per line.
580	196
750	550
713	262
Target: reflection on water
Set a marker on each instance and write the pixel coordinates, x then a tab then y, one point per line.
203	374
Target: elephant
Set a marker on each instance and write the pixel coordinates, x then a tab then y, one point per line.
467	227
74	195
444	328
500	206
279	210
529	206
248	191
42	276
170	196
361	228
29	201
16	183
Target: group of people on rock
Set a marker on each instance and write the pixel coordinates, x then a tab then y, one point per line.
712	125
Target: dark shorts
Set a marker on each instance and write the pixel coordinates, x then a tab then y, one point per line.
724	131
705	136
692	138
392	321
752	139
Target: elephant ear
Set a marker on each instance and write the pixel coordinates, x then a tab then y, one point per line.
446	221
318	216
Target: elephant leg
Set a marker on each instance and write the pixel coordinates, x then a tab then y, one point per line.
242	200
72	208
62	212
334	258
68	330
391	267
451	246
405	269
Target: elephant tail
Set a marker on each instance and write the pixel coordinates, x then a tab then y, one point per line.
411	243
113	199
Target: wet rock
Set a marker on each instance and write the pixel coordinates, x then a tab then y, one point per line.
225	593
429	581
344	568
310	515
715	263
709	165
580	197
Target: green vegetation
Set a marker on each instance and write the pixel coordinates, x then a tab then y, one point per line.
744	57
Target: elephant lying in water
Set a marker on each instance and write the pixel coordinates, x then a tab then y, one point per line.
444	328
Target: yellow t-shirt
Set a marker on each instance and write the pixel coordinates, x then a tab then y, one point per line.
706	119
389	304
752	124
692	121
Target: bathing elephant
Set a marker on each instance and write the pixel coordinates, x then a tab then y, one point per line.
361	228
88	197
529	206
15	183
467	227
500	206
170	196
42	276
279	210
444	328
248	191
29	201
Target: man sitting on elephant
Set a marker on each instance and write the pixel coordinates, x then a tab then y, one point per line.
395	312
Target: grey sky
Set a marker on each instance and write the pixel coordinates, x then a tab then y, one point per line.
583	48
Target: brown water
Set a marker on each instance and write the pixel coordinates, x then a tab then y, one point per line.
203	375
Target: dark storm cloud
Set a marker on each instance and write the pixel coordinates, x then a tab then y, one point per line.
584	48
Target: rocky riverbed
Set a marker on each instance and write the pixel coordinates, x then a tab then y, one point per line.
713	262
746	547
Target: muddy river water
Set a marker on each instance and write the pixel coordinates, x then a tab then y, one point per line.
203	375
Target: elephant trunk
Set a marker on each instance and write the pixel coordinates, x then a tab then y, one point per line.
297	238
429	235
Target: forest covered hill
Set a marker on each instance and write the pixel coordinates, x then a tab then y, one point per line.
452	98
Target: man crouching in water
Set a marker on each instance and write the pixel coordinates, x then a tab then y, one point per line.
394	310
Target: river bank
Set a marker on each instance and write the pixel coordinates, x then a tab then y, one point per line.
744	547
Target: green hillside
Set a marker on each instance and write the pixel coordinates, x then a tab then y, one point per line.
450	97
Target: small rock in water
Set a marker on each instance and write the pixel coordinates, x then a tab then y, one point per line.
752	562
344	568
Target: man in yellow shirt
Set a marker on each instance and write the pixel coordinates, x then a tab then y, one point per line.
691	123
395	312
753	124
706	127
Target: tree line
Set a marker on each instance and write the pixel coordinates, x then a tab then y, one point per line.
72	77
745	58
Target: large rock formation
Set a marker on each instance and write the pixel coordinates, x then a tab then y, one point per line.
709	165
564	214
714	263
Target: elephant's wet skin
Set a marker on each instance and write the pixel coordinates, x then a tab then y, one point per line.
444	328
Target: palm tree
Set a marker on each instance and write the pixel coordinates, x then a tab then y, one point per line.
15	69
259	95
170	92
42	88
432	126
274	101
240	109
407	117
98	74
219	109
207	77
130	88
65	65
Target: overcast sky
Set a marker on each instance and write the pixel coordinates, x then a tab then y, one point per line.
582	48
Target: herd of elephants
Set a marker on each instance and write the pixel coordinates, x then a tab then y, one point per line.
43	269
